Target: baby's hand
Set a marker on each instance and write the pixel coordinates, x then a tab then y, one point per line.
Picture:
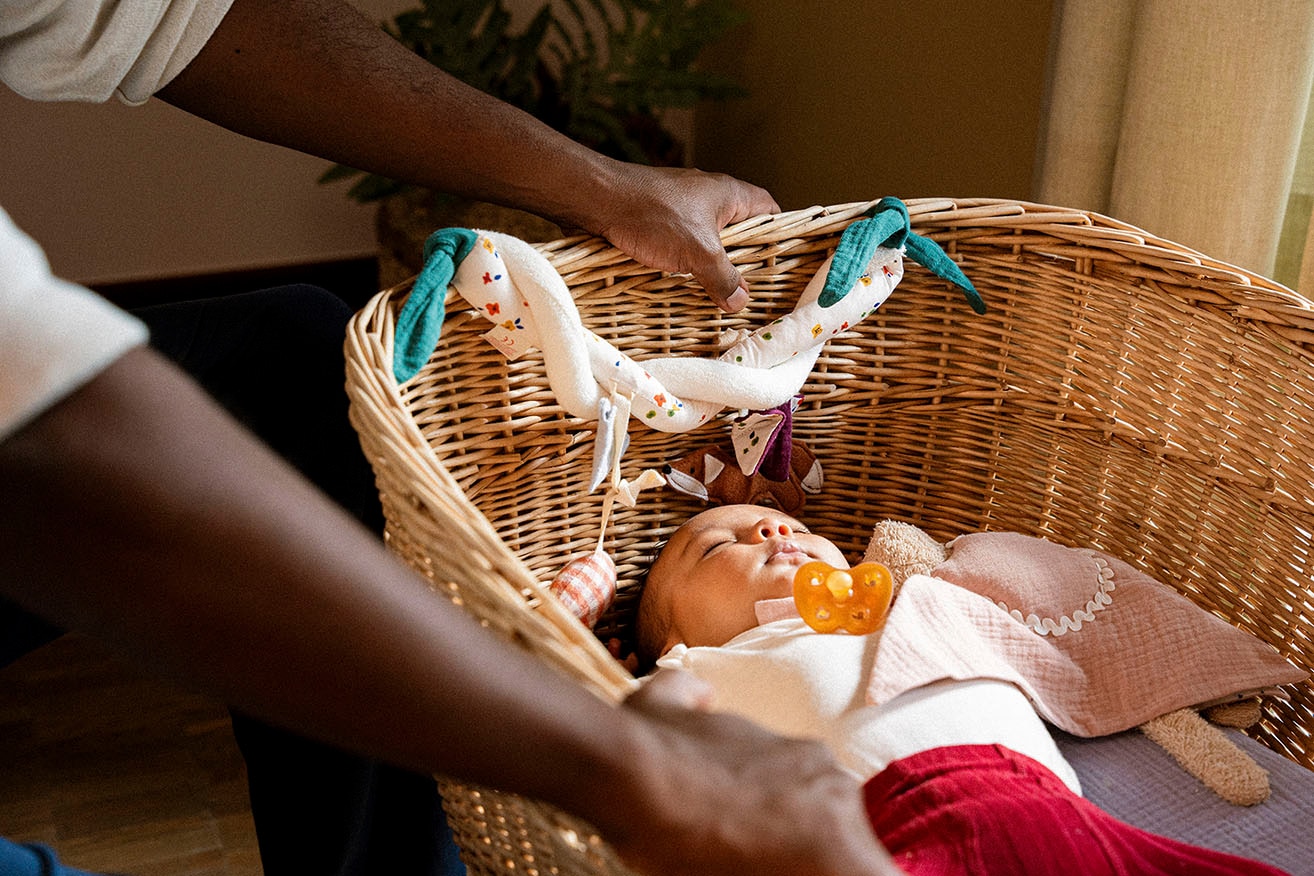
630	661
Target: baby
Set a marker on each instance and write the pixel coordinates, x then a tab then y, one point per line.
960	776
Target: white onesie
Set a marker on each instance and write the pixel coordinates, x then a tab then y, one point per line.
797	682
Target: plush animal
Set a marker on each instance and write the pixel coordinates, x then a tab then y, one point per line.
713	475
1197	745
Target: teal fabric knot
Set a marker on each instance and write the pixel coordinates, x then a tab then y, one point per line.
888	225
420	323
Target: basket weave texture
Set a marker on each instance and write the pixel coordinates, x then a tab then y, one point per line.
1122	393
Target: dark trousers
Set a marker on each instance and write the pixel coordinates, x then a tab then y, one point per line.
274	359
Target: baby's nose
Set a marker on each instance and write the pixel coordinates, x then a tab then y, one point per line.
768	528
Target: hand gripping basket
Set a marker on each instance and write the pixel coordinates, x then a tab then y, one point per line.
1122	392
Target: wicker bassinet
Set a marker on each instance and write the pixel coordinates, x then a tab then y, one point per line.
1122	393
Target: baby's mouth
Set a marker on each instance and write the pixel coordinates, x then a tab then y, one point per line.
788	552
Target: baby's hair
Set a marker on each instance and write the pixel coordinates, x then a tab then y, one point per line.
651	623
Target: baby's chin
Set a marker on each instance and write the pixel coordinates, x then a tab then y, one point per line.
779	585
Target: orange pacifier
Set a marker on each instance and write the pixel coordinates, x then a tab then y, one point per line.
849	600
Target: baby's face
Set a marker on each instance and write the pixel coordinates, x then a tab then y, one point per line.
724	560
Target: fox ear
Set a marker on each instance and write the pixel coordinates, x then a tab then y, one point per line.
683	482
712	468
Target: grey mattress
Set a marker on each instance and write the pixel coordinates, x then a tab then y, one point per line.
1130	777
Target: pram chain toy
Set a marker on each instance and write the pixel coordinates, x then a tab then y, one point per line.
516	289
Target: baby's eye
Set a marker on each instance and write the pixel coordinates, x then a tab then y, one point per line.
714	545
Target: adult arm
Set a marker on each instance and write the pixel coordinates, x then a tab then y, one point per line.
147	517
317	76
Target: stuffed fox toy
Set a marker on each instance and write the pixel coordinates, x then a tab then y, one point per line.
713	475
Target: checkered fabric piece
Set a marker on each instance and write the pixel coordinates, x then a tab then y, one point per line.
587	586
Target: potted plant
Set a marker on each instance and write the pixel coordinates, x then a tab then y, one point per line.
603	72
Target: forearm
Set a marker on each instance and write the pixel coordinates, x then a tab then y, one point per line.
136	510
317	76
320	77
145	516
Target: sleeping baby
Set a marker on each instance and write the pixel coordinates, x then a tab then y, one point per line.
961	776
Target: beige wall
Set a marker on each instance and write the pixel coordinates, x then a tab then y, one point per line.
948	103
855	100
117	193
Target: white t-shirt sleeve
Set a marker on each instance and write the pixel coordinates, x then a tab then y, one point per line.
54	335
91	50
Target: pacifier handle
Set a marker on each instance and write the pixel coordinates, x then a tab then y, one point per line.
854	601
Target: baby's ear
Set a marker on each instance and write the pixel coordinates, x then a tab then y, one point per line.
903	549
673	637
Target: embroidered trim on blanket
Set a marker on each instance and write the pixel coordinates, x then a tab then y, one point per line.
1047	626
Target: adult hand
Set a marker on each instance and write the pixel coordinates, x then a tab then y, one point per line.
727	797
671	218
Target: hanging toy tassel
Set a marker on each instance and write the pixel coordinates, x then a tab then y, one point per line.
587	586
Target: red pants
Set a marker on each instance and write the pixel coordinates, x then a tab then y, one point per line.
985	810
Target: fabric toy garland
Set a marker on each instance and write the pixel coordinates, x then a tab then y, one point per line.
514	287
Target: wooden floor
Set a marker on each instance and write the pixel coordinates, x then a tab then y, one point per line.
118	771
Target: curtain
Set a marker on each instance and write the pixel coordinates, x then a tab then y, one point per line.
1184	117
1295	259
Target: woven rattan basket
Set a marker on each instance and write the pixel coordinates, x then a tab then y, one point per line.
1122	393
